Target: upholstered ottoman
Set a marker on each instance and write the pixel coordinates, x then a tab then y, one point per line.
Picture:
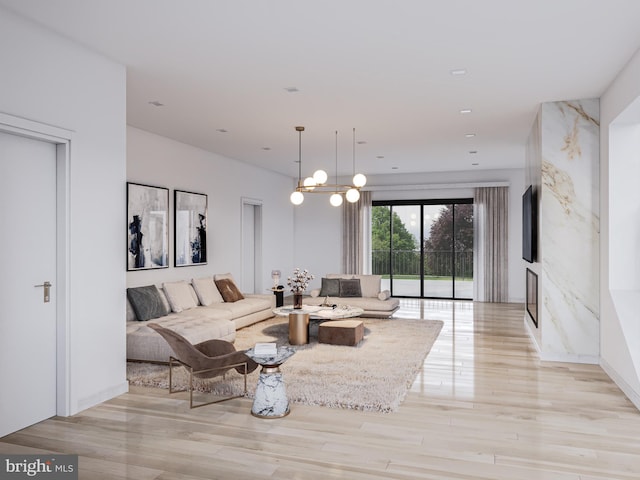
341	332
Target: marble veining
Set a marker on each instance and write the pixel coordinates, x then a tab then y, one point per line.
271	396
569	236
270	400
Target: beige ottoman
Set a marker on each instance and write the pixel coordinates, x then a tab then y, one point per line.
341	332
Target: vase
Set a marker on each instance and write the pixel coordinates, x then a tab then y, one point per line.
297	301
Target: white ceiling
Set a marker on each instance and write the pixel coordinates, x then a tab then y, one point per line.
382	67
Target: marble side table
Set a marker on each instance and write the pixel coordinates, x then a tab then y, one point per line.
271	400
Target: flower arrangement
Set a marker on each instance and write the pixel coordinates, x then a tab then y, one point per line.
299	281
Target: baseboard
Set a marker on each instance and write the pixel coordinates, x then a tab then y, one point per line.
102	396
631	394
570	358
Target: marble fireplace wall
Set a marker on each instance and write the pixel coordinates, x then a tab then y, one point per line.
569	231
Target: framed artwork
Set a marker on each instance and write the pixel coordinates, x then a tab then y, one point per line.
147	227
190	224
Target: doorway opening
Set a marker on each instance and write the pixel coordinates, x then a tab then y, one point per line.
424	248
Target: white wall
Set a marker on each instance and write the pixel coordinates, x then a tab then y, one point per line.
48	79
162	162
319	225
619	317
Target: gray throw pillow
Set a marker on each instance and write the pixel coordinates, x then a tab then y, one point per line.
330	287
146	302
350	288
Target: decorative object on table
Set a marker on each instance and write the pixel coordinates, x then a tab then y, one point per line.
265	349
327	303
298	283
270	399
147	226
318	182
190	228
275	276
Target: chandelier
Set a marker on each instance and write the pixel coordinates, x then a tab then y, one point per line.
318	182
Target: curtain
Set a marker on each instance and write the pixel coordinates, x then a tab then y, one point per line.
356	235
491	215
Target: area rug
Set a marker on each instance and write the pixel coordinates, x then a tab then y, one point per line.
374	376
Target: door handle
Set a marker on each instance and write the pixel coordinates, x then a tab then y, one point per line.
47	291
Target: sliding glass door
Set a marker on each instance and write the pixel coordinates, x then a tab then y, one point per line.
424	249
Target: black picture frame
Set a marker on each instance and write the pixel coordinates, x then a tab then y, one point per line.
190	228
531	300
147	227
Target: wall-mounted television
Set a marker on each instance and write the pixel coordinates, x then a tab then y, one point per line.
529	225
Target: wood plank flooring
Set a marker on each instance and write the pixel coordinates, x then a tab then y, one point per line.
483	407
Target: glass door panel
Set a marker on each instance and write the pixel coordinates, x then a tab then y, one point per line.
463	250
438	247
405	250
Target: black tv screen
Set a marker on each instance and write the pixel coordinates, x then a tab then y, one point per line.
529	226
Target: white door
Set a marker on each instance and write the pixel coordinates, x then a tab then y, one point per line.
248	248
27	258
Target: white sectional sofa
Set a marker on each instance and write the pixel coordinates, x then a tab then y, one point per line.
359	291
196	309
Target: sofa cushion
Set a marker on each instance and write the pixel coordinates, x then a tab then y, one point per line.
330	287
370	284
143	343
180	296
350	288
146	302
228	290
206	290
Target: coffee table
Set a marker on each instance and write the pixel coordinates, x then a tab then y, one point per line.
301	318
321	313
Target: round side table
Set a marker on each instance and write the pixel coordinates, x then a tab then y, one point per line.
271	400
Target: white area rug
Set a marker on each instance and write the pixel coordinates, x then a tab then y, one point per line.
374	376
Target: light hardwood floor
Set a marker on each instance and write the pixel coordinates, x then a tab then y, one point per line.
483	407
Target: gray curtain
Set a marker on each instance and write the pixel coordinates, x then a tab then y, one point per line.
356	219
491	259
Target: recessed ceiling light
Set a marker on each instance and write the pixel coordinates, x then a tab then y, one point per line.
156	103
266	148
470	135
466	110
222	130
473	152
291	89
380	157
458	71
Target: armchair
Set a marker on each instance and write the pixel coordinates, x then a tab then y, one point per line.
204	360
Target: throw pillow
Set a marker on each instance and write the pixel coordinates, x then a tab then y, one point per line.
228	290
330	287
180	296
350	288
146	302
384	295
223	276
206	290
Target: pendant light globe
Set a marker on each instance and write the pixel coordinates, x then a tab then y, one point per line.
335	199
